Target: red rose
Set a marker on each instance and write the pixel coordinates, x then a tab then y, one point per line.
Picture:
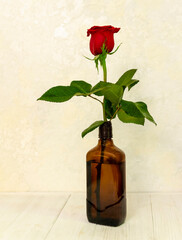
101	35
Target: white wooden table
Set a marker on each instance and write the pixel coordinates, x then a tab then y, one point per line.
52	216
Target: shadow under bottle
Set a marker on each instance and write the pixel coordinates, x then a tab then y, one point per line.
106	181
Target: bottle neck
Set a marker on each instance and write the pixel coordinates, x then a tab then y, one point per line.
105	131
105	142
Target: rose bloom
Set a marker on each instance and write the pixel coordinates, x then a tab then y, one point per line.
101	35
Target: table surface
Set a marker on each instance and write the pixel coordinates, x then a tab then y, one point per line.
61	215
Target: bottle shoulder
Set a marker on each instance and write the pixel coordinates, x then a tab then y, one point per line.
110	152
92	151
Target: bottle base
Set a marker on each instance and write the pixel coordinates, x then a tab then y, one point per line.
106	221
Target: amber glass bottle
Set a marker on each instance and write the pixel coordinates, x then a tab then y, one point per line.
106	183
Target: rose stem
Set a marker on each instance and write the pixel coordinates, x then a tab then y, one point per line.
99	178
105	80
102	148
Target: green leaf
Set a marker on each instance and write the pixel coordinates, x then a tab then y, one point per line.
130	108
113	93
97	64
91	59
64	93
59	94
109	108
92	127
104	50
125	79
96	60
143	109
129	113
132	83
82	86
115	50
99	87
134	112
124	117
102	58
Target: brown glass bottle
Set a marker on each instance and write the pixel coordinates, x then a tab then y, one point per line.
106	182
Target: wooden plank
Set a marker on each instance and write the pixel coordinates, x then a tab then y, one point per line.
72	223
11	206
36	218
138	224
167	216
177	200
48	216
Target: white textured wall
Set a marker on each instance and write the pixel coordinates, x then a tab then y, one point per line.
41	45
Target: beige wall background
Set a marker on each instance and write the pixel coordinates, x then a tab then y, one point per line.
42	44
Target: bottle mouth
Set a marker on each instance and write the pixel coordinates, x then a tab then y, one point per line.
105	130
